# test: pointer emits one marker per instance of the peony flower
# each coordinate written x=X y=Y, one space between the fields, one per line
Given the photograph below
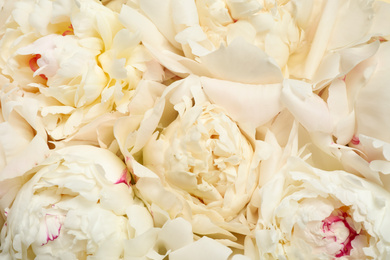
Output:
x=76 y=58
x=345 y=115
x=191 y=159
x=204 y=154
x=365 y=83
x=257 y=42
x=75 y=205
x=305 y=212
x=20 y=134
x=22 y=144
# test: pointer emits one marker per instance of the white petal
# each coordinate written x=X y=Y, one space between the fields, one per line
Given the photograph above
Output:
x=242 y=62
x=247 y=104
x=204 y=248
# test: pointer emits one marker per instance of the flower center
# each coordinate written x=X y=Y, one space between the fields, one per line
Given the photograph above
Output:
x=33 y=62
x=337 y=228
x=68 y=32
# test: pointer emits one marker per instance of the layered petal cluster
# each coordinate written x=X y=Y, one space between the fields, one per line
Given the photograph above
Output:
x=253 y=41
x=194 y=129
x=307 y=213
x=76 y=204
x=75 y=57
x=201 y=164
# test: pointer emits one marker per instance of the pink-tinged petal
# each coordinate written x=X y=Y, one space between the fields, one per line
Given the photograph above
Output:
x=51 y=227
x=330 y=233
x=124 y=178
x=355 y=140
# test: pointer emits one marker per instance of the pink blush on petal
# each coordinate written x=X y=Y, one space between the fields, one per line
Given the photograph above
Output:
x=328 y=230
x=355 y=140
x=53 y=227
x=124 y=178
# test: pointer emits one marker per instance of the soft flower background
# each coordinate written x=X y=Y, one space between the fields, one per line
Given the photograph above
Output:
x=194 y=129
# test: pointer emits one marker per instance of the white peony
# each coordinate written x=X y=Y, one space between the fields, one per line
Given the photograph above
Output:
x=20 y=134
x=75 y=205
x=344 y=117
x=308 y=213
x=254 y=41
x=191 y=159
x=22 y=143
x=76 y=58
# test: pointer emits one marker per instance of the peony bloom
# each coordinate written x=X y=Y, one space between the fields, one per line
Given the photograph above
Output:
x=191 y=159
x=308 y=213
x=345 y=115
x=20 y=134
x=252 y=41
x=22 y=144
x=205 y=156
x=75 y=205
x=76 y=58
x=364 y=94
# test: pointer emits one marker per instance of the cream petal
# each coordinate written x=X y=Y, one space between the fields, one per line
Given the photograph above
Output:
x=321 y=38
x=308 y=108
x=191 y=34
x=372 y=101
x=242 y=62
x=180 y=65
x=40 y=18
x=117 y=198
x=140 y=219
x=380 y=18
x=138 y=247
x=261 y=102
x=31 y=155
x=339 y=108
x=110 y=163
x=156 y=193
x=184 y=12
x=241 y=9
x=204 y=248
x=339 y=63
x=150 y=34
x=241 y=29
x=352 y=24
x=157 y=12
x=176 y=234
